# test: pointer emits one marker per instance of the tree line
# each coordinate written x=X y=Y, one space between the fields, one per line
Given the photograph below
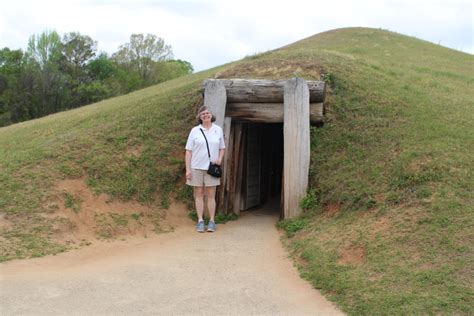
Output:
x=58 y=73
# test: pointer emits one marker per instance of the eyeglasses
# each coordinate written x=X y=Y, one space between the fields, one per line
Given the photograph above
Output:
x=205 y=113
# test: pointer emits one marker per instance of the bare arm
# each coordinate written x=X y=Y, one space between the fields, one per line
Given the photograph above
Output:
x=221 y=157
x=187 y=159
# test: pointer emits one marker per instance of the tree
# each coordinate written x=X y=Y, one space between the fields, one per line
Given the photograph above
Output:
x=171 y=69
x=101 y=67
x=44 y=56
x=45 y=49
x=11 y=69
x=117 y=79
x=55 y=74
x=142 y=53
x=78 y=49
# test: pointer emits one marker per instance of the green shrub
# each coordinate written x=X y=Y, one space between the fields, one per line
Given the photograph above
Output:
x=291 y=226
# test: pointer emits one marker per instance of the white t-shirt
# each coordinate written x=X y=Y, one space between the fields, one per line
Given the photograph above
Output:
x=197 y=145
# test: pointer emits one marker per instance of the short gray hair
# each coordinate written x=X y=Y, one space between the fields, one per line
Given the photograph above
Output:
x=202 y=109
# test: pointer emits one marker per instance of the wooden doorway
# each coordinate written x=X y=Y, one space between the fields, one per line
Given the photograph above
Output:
x=269 y=153
x=294 y=103
x=258 y=166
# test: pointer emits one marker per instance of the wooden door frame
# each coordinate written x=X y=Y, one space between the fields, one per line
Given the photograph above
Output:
x=297 y=95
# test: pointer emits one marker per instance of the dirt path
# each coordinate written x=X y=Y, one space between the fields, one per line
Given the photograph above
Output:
x=240 y=269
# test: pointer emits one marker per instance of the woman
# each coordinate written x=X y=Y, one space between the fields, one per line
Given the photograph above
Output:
x=197 y=163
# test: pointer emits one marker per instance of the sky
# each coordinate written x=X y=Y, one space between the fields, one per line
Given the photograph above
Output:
x=209 y=33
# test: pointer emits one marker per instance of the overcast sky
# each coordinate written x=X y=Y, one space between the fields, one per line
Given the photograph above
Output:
x=210 y=33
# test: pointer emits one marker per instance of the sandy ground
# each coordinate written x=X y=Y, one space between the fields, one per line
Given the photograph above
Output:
x=240 y=269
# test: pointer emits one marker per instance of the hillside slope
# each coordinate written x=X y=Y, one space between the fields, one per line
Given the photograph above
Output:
x=386 y=227
x=390 y=211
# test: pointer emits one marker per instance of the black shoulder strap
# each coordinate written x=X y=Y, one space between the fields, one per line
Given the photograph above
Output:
x=207 y=145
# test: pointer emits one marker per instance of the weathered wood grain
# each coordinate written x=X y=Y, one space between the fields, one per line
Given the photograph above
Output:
x=296 y=145
x=253 y=170
x=237 y=160
x=269 y=112
x=225 y=166
x=215 y=99
x=265 y=91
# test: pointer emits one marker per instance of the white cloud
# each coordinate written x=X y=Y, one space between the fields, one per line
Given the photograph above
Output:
x=209 y=33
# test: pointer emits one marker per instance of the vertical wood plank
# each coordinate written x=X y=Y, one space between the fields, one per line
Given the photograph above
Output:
x=238 y=200
x=236 y=180
x=222 y=191
x=230 y=154
x=237 y=135
x=296 y=145
x=252 y=167
x=215 y=98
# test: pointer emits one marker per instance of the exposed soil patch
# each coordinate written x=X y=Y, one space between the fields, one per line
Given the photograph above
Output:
x=417 y=166
x=4 y=223
x=353 y=255
x=382 y=224
x=332 y=209
x=135 y=151
x=380 y=198
x=81 y=215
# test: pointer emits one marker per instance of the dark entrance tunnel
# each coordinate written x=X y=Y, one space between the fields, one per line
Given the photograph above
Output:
x=262 y=166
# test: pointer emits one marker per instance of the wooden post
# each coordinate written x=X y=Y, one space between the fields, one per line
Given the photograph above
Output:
x=225 y=165
x=215 y=98
x=238 y=202
x=237 y=169
x=230 y=153
x=236 y=134
x=296 y=145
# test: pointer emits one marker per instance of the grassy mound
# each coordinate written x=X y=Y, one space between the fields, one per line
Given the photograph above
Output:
x=387 y=219
x=388 y=227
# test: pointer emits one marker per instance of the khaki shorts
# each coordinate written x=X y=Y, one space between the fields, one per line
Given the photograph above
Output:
x=200 y=178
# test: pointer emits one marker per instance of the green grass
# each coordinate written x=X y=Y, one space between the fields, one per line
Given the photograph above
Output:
x=293 y=225
x=391 y=172
x=395 y=161
x=72 y=202
x=109 y=225
x=127 y=147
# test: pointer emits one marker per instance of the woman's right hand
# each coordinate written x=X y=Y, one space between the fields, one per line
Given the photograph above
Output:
x=188 y=175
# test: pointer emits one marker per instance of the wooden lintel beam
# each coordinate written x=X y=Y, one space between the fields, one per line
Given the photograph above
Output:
x=269 y=112
x=265 y=91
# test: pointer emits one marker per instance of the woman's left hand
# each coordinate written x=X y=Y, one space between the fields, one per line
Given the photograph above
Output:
x=217 y=162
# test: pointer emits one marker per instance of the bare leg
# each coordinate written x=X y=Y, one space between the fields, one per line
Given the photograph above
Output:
x=211 y=201
x=199 y=199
